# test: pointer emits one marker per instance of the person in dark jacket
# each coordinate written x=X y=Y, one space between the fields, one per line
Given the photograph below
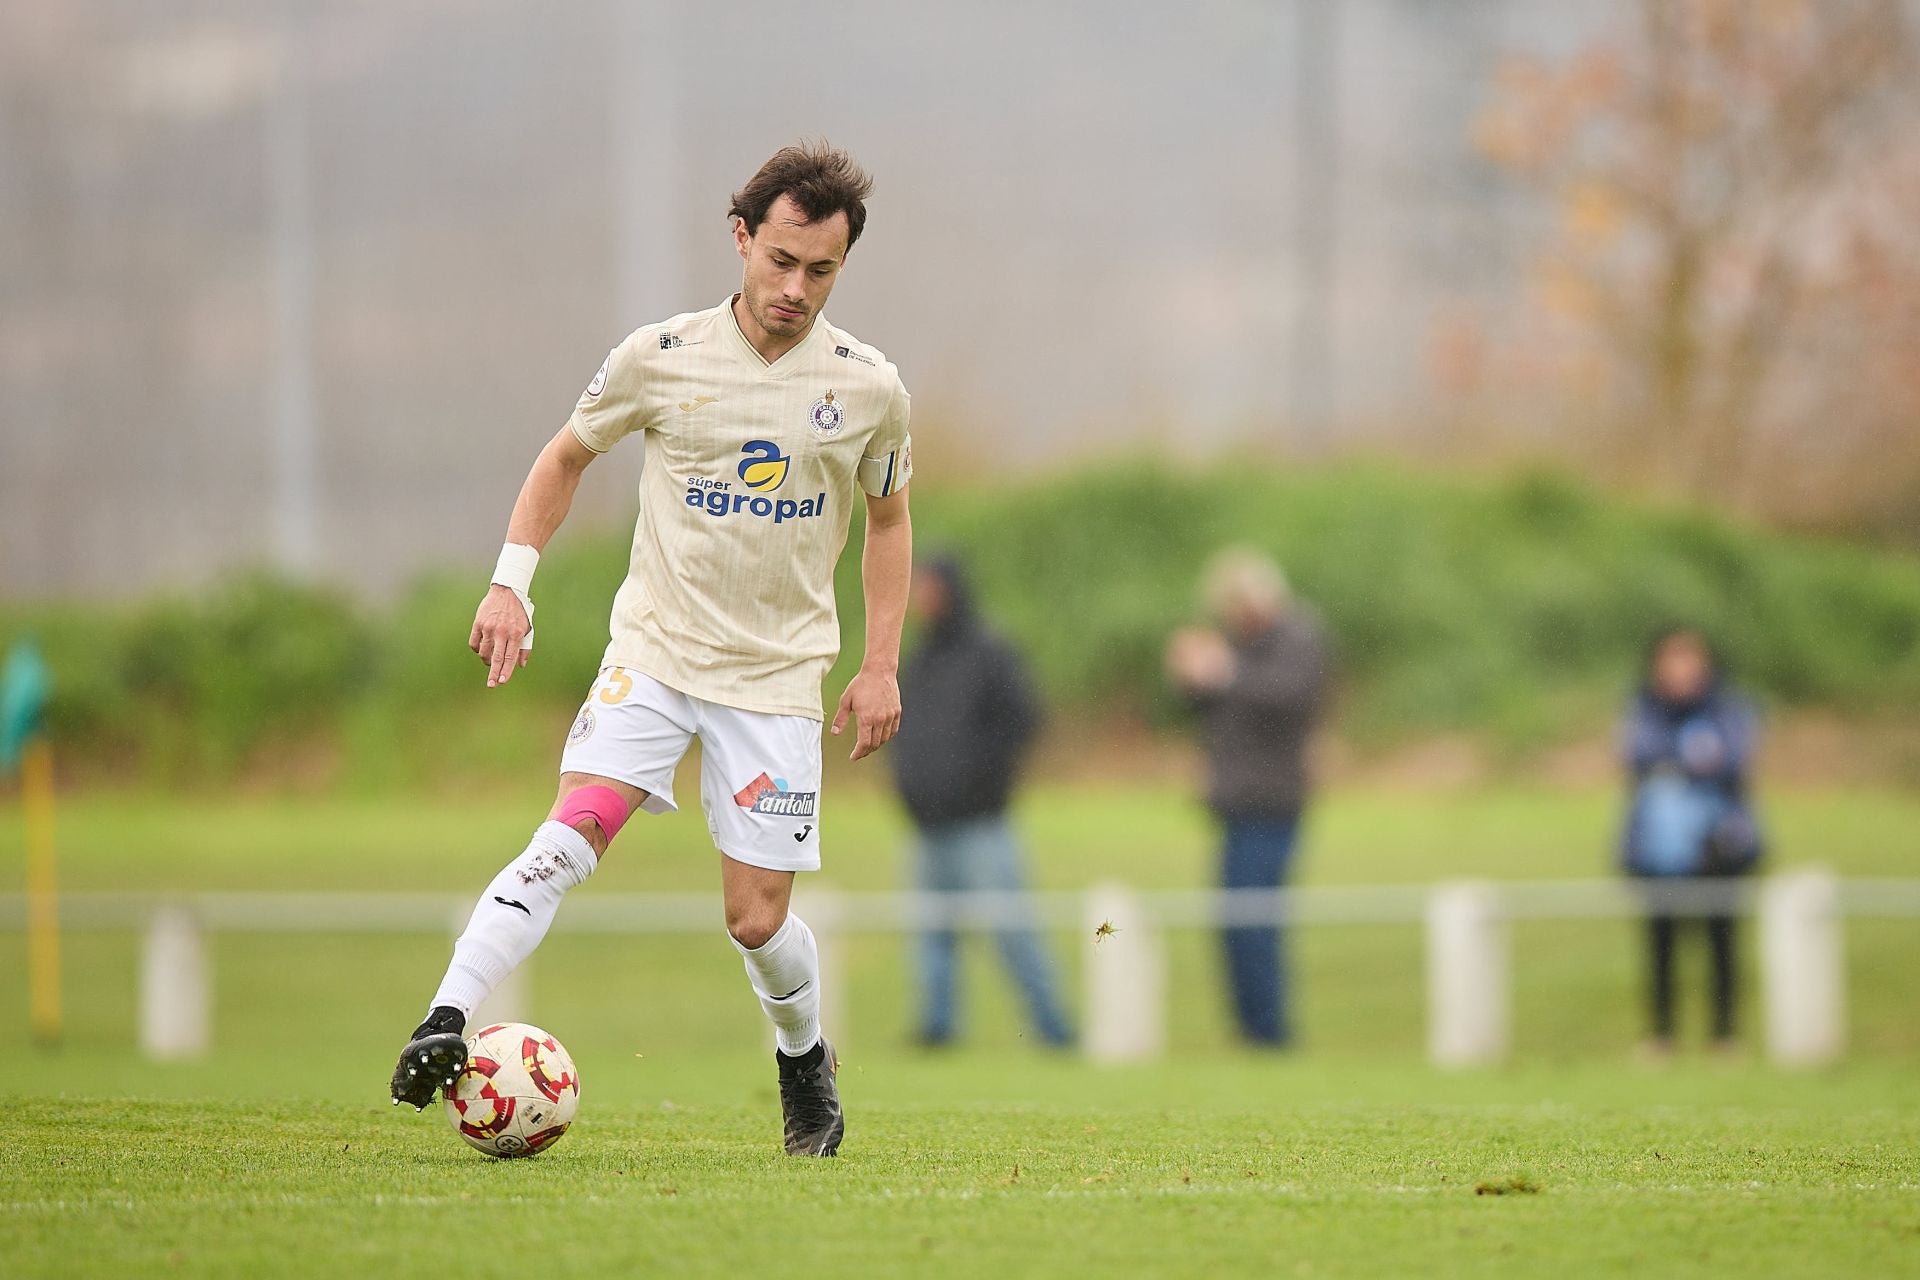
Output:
x=970 y=714
x=1689 y=741
x=1258 y=689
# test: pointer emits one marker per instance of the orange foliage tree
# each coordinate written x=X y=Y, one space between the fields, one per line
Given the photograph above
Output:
x=1732 y=268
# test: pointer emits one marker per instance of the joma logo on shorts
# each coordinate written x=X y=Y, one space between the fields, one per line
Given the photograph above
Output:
x=770 y=795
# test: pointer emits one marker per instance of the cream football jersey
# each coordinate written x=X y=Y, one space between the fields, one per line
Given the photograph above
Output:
x=751 y=473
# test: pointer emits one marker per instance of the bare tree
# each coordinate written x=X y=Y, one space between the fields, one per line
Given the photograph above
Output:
x=1729 y=183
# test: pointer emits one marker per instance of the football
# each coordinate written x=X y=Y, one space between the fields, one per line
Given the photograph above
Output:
x=518 y=1094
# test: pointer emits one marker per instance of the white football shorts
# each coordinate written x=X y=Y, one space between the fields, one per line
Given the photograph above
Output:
x=759 y=773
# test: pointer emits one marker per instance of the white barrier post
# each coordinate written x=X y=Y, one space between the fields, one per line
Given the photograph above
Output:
x=176 y=988
x=821 y=907
x=1468 y=1000
x=1126 y=978
x=1803 y=968
x=511 y=1001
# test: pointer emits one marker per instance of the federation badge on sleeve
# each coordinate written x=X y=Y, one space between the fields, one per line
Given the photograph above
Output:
x=599 y=382
x=827 y=417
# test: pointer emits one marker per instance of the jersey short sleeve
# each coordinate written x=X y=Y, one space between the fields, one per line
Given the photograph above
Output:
x=887 y=464
x=610 y=408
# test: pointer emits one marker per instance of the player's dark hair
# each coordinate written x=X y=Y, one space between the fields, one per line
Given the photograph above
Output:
x=821 y=179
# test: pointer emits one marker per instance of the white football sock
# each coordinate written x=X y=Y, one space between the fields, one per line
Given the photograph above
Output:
x=786 y=976
x=514 y=914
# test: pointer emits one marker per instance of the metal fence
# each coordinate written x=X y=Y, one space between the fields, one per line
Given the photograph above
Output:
x=354 y=262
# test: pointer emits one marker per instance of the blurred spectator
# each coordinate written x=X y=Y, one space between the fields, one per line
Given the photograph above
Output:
x=969 y=716
x=1258 y=688
x=1689 y=740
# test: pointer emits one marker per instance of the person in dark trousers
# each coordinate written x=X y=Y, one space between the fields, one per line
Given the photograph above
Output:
x=1258 y=684
x=969 y=716
x=1689 y=742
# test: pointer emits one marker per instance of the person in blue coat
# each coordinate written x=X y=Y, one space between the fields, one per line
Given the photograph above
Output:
x=1689 y=743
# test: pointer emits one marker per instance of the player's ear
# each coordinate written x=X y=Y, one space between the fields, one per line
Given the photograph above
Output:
x=742 y=238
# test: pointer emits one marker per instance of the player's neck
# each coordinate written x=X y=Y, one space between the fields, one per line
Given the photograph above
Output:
x=769 y=347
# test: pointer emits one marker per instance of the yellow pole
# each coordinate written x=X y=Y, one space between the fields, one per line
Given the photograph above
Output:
x=43 y=899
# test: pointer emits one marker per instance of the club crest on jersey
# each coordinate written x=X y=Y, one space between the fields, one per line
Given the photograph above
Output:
x=827 y=416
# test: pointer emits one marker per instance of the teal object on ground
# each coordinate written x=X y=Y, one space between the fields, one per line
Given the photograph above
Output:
x=24 y=687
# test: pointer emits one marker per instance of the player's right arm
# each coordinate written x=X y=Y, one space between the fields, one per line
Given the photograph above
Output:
x=501 y=624
x=612 y=406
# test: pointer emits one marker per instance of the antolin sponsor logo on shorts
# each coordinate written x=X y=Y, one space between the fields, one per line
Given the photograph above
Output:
x=770 y=795
x=762 y=470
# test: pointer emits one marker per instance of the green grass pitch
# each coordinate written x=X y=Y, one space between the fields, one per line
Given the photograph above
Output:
x=279 y=1156
x=990 y=1164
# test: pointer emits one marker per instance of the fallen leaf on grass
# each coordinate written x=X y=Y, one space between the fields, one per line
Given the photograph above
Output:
x=1518 y=1185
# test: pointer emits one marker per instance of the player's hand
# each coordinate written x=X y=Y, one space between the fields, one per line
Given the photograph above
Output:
x=873 y=700
x=498 y=628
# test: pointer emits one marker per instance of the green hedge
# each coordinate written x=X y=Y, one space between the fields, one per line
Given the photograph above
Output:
x=1454 y=605
x=1513 y=609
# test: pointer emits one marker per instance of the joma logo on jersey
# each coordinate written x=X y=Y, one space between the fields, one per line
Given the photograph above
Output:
x=763 y=468
x=770 y=795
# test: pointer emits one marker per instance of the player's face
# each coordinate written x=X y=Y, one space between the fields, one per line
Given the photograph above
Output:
x=791 y=266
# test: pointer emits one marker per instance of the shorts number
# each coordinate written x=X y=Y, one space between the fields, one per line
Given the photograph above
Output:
x=619 y=685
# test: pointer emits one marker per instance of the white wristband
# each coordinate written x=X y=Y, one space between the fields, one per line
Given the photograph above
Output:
x=515 y=567
x=514 y=571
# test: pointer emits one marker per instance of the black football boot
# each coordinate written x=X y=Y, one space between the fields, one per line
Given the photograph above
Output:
x=810 y=1101
x=432 y=1060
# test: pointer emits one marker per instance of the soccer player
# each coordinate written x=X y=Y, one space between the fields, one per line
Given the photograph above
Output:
x=759 y=419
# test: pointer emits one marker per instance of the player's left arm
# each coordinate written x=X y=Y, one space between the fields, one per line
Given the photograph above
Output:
x=886 y=569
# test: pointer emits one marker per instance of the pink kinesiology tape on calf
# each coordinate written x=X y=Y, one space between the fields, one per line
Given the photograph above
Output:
x=602 y=804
